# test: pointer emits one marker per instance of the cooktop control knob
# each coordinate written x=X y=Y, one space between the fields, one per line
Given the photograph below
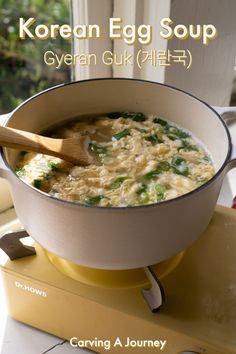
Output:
x=188 y=353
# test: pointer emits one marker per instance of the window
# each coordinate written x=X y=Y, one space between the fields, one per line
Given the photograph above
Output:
x=22 y=70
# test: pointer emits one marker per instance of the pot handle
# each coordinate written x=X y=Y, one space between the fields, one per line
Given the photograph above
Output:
x=3 y=168
x=5 y=196
x=11 y=245
x=228 y=114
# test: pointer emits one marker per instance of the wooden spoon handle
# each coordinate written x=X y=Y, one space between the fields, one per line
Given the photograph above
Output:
x=19 y=139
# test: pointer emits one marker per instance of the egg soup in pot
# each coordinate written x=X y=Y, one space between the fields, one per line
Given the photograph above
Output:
x=138 y=160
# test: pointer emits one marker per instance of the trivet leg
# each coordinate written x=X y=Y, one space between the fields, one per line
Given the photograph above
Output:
x=154 y=296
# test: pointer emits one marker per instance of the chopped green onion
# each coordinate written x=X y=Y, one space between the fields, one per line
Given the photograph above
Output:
x=178 y=132
x=172 y=137
x=160 y=189
x=152 y=174
x=179 y=166
x=154 y=139
x=121 y=134
x=177 y=161
x=20 y=171
x=114 y=115
x=182 y=134
x=174 y=133
x=94 y=200
x=205 y=160
x=37 y=183
x=136 y=116
x=200 y=181
x=118 y=182
x=188 y=147
x=142 y=194
x=141 y=130
x=142 y=189
x=98 y=149
x=54 y=166
x=161 y=167
x=160 y=121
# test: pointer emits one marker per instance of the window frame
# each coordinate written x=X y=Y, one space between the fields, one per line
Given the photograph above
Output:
x=142 y=12
x=211 y=61
x=131 y=12
x=92 y=12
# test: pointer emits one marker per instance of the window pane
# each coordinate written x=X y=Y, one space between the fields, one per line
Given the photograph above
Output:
x=22 y=69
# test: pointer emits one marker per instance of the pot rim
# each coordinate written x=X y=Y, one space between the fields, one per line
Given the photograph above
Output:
x=135 y=207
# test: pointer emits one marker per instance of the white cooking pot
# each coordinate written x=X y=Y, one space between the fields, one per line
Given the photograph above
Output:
x=127 y=237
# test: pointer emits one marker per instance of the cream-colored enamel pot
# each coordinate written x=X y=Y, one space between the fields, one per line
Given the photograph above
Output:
x=128 y=237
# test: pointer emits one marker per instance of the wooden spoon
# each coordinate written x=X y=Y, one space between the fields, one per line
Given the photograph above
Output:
x=74 y=150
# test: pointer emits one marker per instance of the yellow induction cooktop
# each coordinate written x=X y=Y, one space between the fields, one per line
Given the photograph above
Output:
x=198 y=316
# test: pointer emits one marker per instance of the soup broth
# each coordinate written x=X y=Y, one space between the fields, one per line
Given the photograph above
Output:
x=138 y=160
